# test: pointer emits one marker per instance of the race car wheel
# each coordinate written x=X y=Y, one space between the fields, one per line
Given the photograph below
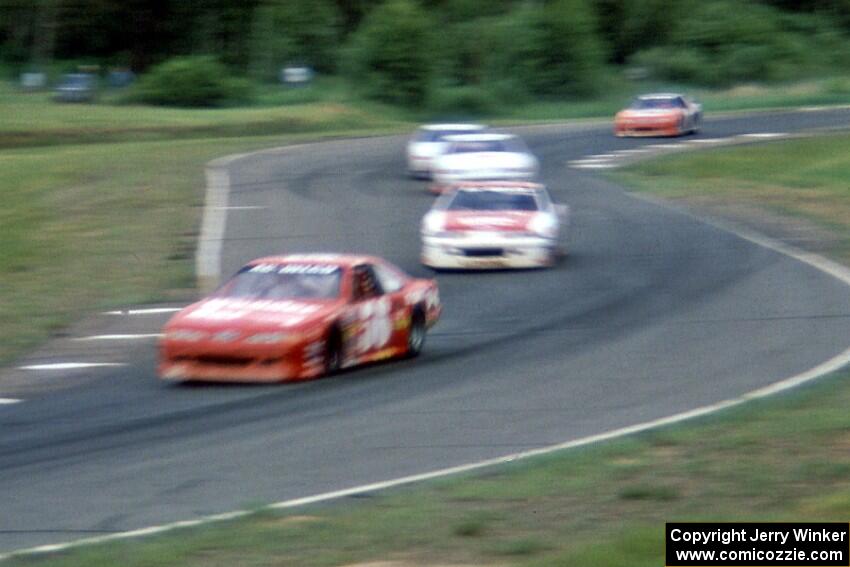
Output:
x=416 y=333
x=333 y=352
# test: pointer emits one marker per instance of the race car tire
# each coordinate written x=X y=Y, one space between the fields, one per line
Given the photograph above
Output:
x=416 y=333
x=333 y=352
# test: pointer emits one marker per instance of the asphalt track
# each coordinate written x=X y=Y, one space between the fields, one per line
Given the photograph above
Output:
x=652 y=313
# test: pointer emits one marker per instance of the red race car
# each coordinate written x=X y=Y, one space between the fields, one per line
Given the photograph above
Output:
x=659 y=115
x=296 y=317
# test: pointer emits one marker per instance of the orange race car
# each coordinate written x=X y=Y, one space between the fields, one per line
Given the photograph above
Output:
x=659 y=115
x=297 y=317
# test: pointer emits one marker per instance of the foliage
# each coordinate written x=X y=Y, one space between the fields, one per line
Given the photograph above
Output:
x=462 y=102
x=515 y=49
x=191 y=81
x=390 y=55
x=294 y=31
x=628 y=26
x=552 y=49
x=723 y=42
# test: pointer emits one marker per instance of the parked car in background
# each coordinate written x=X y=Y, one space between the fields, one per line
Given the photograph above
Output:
x=76 y=87
x=429 y=141
x=662 y=114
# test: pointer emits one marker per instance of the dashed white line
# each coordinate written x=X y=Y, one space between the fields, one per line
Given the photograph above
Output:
x=763 y=135
x=667 y=146
x=8 y=401
x=592 y=165
x=240 y=208
x=595 y=158
x=709 y=141
x=69 y=365
x=633 y=151
x=119 y=337
x=148 y=311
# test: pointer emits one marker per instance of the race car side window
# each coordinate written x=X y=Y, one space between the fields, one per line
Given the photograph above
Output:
x=390 y=281
x=366 y=285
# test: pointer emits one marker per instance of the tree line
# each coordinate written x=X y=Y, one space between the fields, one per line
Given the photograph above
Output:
x=406 y=50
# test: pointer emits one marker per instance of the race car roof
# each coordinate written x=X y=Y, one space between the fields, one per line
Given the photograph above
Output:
x=483 y=137
x=449 y=126
x=659 y=95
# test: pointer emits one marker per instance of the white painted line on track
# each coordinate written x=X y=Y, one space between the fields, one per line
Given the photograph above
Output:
x=592 y=165
x=208 y=259
x=764 y=135
x=667 y=146
x=119 y=337
x=241 y=208
x=709 y=141
x=633 y=151
x=148 y=311
x=70 y=365
x=841 y=360
x=8 y=401
x=594 y=159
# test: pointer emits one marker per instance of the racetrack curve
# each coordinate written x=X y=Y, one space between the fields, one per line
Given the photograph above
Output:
x=652 y=313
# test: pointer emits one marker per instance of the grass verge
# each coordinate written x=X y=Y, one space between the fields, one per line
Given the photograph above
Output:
x=86 y=227
x=786 y=458
x=799 y=183
x=33 y=120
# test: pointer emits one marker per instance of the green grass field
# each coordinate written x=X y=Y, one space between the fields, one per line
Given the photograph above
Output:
x=86 y=227
x=32 y=119
x=786 y=458
x=803 y=180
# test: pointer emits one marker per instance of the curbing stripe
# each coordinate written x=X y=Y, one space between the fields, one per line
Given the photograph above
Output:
x=69 y=365
x=208 y=259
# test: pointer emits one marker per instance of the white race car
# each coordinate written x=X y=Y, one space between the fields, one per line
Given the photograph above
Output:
x=490 y=225
x=480 y=157
x=429 y=141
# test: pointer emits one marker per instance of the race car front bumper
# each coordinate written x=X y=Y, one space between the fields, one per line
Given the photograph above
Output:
x=419 y=166
x=235 y=363
x=488 y=252
x=635 y=130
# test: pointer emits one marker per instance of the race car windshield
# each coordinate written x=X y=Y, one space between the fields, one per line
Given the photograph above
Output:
x=474 y=147
x=276 y=282
x=492 y=201
x=437 y=135
x=654 y=103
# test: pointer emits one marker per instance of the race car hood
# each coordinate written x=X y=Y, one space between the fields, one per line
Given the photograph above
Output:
x=245 y=314
x=484 y=160
x=496 y=221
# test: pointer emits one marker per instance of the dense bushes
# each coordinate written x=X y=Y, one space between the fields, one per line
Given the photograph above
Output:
x=294 y=31
x=450 y=56
x=723 y=42
x=190 y=81
x=391 y=57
